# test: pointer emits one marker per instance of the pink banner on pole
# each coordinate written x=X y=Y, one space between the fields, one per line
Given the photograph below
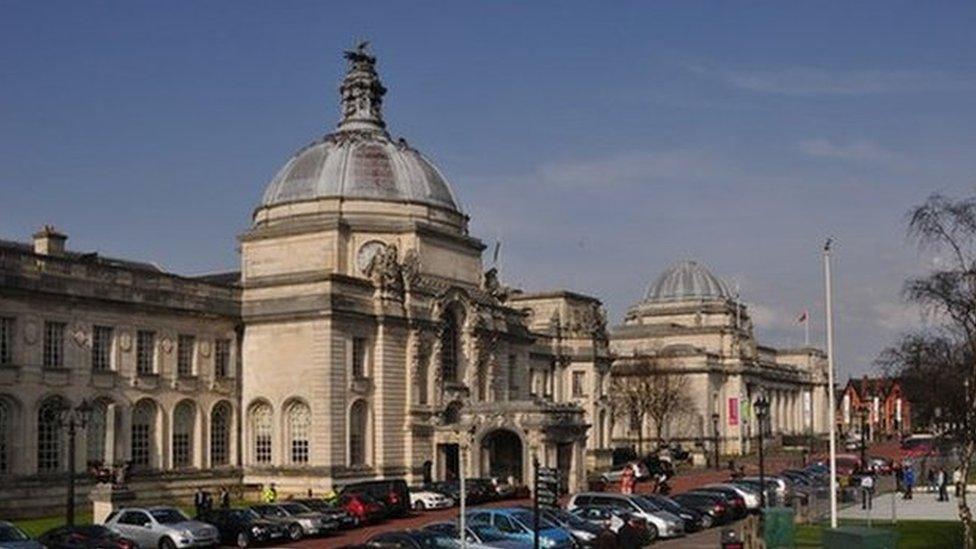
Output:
x=733 y=411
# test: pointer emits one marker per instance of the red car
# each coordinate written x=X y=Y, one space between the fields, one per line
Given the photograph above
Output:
x=362 y=508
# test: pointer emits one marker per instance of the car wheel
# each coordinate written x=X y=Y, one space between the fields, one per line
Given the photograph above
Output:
x=419 y=506
x=295 y=532
x=652 y=532
x=166 y=543
x=243 y=540
x=706 y=522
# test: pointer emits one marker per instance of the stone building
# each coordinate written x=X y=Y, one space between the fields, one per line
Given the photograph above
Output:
x=375 y=343
x=689 y=325
x=156 y=354
x=362 y=338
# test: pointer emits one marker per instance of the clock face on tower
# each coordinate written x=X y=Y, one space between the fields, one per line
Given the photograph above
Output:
x=366 y=254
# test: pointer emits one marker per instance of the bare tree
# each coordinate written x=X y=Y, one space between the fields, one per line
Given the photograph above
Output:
x=650 y=386
x=941 y=358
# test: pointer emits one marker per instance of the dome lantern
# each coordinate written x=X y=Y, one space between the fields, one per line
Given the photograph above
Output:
x=361 y=92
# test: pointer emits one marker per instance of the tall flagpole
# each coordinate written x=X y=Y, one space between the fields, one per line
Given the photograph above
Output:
x=806 y=330
x=830 y=385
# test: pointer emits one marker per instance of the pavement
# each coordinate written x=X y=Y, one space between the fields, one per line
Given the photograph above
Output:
x=922 y=506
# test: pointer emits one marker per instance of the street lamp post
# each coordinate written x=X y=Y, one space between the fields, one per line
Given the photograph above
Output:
x=73 y=419
x=715 y=418
x=762 y=408
x=863 y=414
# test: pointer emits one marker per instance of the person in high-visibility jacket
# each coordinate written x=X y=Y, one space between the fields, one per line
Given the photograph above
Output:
x=269 y=494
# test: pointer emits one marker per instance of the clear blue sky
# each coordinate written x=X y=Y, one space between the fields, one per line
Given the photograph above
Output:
x=599 y=141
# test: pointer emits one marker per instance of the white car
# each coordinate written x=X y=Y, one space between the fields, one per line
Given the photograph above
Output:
x=662 y=523
x=750 y=497
x=423 y=500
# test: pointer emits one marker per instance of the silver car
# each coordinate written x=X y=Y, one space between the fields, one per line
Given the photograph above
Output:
x=162 y=527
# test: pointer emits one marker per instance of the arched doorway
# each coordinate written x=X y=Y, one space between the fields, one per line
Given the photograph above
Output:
x=501 y=452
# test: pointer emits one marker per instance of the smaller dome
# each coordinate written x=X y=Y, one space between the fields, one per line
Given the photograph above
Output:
x=686 y=281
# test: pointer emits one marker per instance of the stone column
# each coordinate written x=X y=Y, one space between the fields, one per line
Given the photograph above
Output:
x=108 y=453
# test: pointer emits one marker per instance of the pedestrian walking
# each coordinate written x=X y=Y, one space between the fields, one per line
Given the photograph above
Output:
x=627 y=480
x=957 y=481
x=199 y=501
x=867 y=490
x=943 y=482
x=224 y=498
x=269 y=494
x=909 y=474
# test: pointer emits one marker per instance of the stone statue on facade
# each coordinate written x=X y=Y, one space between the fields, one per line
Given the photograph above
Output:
x=494 y=287
x=386 y=273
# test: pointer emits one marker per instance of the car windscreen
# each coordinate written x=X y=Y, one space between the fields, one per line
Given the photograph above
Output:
x=295 y=508
x=12 y=533
x=646 y=505
x=527 y=519
x=168 y=516
x=569 y=519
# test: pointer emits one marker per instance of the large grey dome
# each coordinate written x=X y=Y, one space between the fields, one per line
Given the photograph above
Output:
x=360 y=165
x=685 y=281
x=360 y=160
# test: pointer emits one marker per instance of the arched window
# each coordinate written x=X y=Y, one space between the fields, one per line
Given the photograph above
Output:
x=449 y=348
x=5 y=436
x=220 y=434
x=358 y=433
x=184 y=417
x=262 y=432
x=49 y=435
x=95 y=432
x=143 y=433
x=298 y=418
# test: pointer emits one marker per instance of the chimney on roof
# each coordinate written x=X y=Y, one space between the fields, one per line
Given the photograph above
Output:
x=48 y=241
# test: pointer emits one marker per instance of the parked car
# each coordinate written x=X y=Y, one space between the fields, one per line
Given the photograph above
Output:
x=770 y=488
x=880 y=465
x=483 y=486
x=518 y=523
x=749 y=495
x=12 y=537
x=783 y=487
x=474 y=494
x=362 y=508
x=162 y=527
x=662 y=523
x=89 y=536
x=423 y=500
x=394 y=494
x=694 y=519
x=734 y=502
x=484 y=534
x=616 y=519
x=300 y=521
x=329 y=509
x=585 y=533
x=243 y=527
x=412 y=539
x=712 y=505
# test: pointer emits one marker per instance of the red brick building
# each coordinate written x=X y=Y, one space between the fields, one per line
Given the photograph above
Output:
x=887 y=411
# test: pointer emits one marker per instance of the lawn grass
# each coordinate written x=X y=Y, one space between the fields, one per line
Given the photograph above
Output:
x=912 y=534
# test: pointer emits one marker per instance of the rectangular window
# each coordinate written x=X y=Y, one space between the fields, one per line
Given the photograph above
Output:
x=6 y=340
x=141 y=433
x=578 y=384
x=181 y=449
x=145 y=353
x=54 y=344
x=222 y=358
x=101 y=353
x=299 y=451
x=358 y=357
x=184 y=355
x=513 y=386
x=262 y=448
